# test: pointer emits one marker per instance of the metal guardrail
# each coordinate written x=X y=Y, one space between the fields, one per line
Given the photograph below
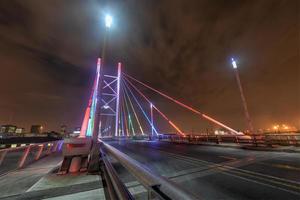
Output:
x=156 y=185
x=20 y=155
x=116 y=188
x=267 y=139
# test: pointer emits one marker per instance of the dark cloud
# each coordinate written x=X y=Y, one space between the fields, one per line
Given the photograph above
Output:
x=48 y=51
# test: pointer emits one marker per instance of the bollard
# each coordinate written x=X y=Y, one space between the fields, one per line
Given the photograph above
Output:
x=54 y=149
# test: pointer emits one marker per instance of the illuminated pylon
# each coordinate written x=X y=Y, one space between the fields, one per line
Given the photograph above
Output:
x=110 y=100
x=89 y=116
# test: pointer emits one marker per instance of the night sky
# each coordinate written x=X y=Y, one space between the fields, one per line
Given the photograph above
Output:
x=48 y=52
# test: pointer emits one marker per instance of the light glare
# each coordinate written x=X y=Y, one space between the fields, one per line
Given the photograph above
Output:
x=233 y=63
x=108 y=21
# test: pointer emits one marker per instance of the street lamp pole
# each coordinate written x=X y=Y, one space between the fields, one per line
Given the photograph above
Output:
x=151 y=113
x=100 y=65
x=94 y=159
x=248 y=119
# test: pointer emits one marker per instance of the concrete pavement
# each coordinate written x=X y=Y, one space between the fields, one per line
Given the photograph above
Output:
x=39 y=181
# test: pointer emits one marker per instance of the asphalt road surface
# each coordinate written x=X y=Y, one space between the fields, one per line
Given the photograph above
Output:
x=217 y=172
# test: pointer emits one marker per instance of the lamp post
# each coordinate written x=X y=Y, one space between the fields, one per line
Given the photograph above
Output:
x=248 y=119
x=151 y=113
x=97 y=122
x=94 y=154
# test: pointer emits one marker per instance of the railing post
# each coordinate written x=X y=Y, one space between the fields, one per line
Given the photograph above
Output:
x=60 y=145
x=237 y=139
x=24 y=157
x=217 y=140
x=149 y=194
x=38 y=155
x=49 y=148
x=2 y=156
x=55 y=147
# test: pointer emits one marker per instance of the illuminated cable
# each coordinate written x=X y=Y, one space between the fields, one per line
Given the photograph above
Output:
x=184 y=105
x=125 y=120
x=160 y=112
x=134 y=112
x=126 y=108
x=129 y=117
x=140 y=107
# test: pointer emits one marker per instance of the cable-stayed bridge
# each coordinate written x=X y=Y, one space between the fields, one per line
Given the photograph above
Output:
x=117 y=100
x=123 y=153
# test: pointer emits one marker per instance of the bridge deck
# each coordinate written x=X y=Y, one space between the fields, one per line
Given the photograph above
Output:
x=217 y=172
x=207 y=171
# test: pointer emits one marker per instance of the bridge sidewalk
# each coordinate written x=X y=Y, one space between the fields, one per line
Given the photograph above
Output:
x=18 y=181
x=39 y=181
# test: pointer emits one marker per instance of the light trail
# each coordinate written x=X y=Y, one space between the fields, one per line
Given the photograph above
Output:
x=184 y=105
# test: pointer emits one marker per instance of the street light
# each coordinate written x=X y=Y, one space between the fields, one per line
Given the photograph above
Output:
x=97 y=121
x=108 y=21
x=233 y=63
x=248 y=119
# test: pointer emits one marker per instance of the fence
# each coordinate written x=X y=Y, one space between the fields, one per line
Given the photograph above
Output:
x=18 y=157
x=267 y=139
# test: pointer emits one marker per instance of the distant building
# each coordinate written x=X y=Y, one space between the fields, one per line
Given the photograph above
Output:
x=63 y=129
x=54 y=134
x=76 y=132
x=20 y=130
x=36 y=129
x=8 y=129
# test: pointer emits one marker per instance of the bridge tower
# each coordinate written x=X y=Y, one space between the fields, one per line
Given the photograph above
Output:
x=82 y=153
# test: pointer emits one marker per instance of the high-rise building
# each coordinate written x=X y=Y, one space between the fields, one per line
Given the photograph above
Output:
x=36 y=129
x=20 y=130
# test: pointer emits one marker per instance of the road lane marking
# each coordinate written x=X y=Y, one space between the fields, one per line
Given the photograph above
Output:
x=228 y=157
x=221 y=168
x=289 y=167
x=223 y=165
x=261 y=183
x=225 y=168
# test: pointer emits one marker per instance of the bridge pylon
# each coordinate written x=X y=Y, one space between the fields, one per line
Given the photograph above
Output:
x=102 y=115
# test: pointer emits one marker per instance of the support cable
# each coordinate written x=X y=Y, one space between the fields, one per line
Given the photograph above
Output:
x=160 y=112
x=128 y=112
x=134 y=112
x=124 y=114
x=183 y=105
x=139 y=105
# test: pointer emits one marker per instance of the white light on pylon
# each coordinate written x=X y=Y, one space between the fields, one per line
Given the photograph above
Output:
x=233 y=63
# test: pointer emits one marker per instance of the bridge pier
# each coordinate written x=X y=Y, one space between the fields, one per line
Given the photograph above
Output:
x=76 y=152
